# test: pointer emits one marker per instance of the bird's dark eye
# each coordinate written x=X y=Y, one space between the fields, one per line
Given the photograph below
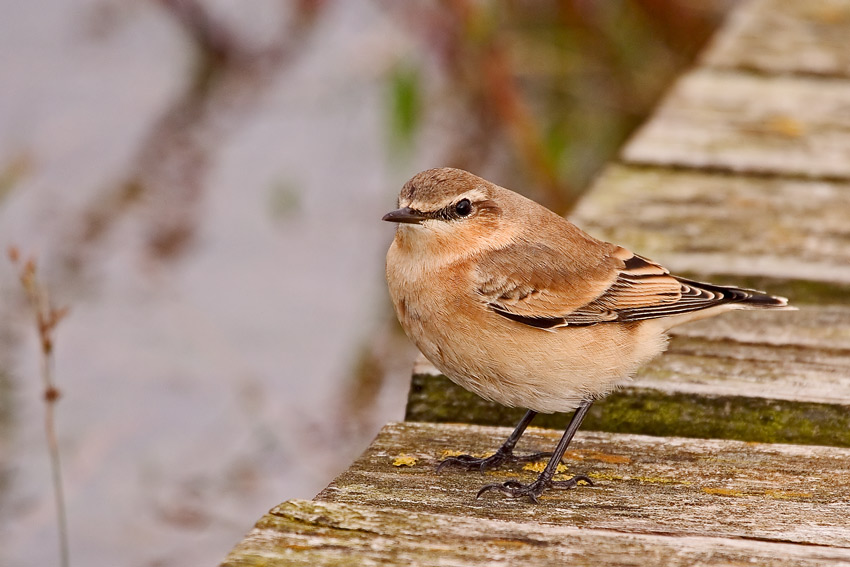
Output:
x=463 y=208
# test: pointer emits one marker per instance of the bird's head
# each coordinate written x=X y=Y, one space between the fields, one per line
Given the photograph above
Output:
x=449 y=213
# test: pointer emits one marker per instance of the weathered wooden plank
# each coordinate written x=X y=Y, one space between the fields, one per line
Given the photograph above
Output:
x=785 y=36
x=651 y=411
x=321 y=533
x=672 y=486
x=802 y=357
x=775 y=125
x=723 y=224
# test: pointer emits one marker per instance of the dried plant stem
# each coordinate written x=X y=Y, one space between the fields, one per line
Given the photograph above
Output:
x=51 y=396
x=47 y=318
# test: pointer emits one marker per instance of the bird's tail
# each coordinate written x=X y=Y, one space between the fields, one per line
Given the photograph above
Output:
x=743 y=298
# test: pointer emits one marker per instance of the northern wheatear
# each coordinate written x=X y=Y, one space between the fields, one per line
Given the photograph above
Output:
x=520 y=306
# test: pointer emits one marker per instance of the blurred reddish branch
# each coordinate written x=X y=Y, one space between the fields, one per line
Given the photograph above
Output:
x=540 y=96
x=47 y=318
x=172 y=163
x=500 y=95
x=513 y=112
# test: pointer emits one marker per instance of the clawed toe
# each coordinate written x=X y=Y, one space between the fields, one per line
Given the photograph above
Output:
x=532 y=458
x=468 y=462
x=515 y=489
x=458 y=461
x=570 y=483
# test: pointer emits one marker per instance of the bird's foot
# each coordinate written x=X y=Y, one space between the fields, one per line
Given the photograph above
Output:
x=497 y=459
x=516 y=489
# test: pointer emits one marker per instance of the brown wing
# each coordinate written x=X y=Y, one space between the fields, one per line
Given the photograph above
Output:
x=620 y=287
x=540 y=281
x=642 y=290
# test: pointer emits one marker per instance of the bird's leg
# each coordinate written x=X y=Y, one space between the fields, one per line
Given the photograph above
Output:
x=516 y=489
x=505 y=454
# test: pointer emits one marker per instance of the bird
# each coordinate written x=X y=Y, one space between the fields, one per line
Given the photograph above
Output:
x=520 y=306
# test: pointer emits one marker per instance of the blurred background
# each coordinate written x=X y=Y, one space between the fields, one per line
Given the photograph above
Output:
x=202 y=182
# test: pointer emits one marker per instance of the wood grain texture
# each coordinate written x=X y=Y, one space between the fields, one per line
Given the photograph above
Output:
x=770 y=125
x=321 y=533
x=673 y=486
x=785 y=36
x=656 y=501
x=803 y=357
x=709 y=223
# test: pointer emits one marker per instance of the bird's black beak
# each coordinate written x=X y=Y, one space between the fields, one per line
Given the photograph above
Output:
x=406 y=215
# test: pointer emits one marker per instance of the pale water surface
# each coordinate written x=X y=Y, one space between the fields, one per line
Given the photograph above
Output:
x=199 y=391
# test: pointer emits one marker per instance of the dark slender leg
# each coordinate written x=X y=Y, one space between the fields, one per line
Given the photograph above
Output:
x=516 y=489
x=504 y=455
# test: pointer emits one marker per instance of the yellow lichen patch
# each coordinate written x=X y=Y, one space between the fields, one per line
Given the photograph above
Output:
x=659 y=480
x=786 y=494
x=539 y=466
x=604 y=476
x=722 y=491
x=501 y=473
x=449 y=453
x=610 y=459
x=507 y=542
x=404 y=461
x=785 y=126
x=828 y=14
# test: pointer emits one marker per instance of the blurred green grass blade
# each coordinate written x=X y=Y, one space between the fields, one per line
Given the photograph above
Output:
x=405 y=104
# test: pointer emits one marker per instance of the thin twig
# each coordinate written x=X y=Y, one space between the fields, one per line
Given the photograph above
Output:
x=47 y=318
x=169 y=172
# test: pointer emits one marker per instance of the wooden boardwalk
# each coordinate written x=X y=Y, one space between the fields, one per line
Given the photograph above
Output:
x=742 y=176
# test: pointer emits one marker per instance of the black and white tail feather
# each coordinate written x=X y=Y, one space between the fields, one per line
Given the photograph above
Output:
x=696 y=296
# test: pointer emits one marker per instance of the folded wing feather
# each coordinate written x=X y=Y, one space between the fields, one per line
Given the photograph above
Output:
x=622 y=287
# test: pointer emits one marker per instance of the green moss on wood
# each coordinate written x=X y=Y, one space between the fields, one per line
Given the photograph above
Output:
x=303 y=527
x=650 y=412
